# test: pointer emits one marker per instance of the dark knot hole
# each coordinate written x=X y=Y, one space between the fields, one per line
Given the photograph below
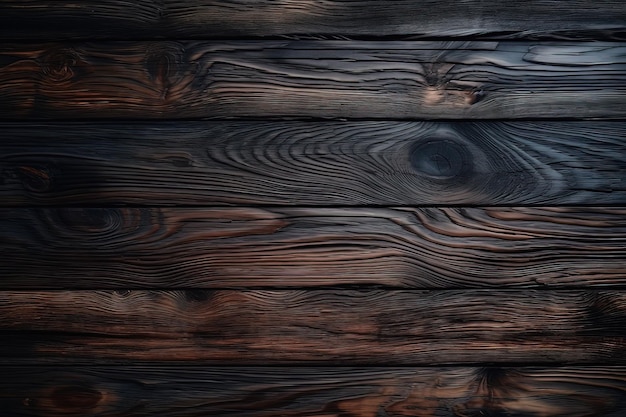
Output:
x=439 y=158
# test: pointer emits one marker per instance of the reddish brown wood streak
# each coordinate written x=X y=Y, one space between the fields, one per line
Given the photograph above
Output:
x=314 y=326
x=308 y=204
x=300 y=247
x=403 y=80
x=189 y=391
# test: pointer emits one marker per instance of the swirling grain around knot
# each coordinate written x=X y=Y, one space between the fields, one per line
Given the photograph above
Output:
x=313 y=164
x=58 y=65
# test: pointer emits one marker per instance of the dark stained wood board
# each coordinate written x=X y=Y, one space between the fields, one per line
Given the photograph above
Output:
x=192 y=391
x=331 y=327
x=466 y=267
x=93 y=248
x=37 y=19
x=313 y=163
x=313 y=79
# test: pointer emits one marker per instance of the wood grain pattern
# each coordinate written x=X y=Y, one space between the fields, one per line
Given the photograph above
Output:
x=191 y=391
x=314 y=326
x=319 y=79
x=302 y=247
x=190 y=225
x=36 y=19
x=313 y=163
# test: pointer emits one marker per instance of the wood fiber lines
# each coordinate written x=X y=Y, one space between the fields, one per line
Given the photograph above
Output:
x=313 y=163
x=304 y=391
x=257 y=208
x=305 y=247
x=313 y=79
x=314 y=326
x=182 y=19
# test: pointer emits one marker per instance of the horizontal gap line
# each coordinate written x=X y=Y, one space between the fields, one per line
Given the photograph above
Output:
x=118 y=121
x=348 y=287
x=314 y=365
x=615 y=35
x=274 y=206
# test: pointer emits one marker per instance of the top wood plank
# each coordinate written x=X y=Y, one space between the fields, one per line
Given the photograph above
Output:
x=313 y=79
x=144 y=19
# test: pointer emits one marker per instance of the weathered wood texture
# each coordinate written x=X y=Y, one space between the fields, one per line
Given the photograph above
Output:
x=323 y=79
x=193 y=391
x=314 y=326
x=37 y=19
x=313 y=163
x=96 y=248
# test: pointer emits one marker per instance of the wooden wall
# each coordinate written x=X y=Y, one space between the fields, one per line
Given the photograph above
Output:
x=313 y=208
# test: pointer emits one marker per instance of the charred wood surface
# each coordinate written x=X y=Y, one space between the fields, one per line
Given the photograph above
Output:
x=313 y=163
x=98 y=19
x=313 y=79
x=303 y=247
x=191 y=391
x=331 y=327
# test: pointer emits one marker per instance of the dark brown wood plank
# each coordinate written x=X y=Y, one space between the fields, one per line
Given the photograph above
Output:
x=93 y=248
x=321 y=79
x=313 y=163
x=191 y=391
x=36 y=19
x=315 y=326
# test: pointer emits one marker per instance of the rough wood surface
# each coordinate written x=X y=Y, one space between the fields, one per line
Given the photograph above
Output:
x=313 y=163
x=301 y=247
x=191 y=391
x=321 y=79
x=37 y=19
x=314 y=326
x=294 y=263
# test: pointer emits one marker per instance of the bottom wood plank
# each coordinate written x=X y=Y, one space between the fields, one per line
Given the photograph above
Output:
x=348 y=392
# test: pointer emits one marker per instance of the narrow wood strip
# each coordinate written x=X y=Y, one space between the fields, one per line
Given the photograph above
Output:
x=297 y=247
x=577 y=19
x=322 y=79
x=313 y=163
x=191 y=391
x=322 y=326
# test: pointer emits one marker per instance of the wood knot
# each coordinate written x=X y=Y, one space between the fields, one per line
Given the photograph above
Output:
x=475 y=96
x=440 y=158
x=36 y=179
x=75 y=398
x=163 y=61
x=90 y=219
x=606 y=315
x=58 y=65
x=200 y=296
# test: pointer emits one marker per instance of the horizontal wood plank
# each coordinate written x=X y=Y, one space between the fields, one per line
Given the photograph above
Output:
x=191 y=391
x=313 y=163
x=319 y=79
x=94 y=248
x=38 y=19
x=315 y=326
